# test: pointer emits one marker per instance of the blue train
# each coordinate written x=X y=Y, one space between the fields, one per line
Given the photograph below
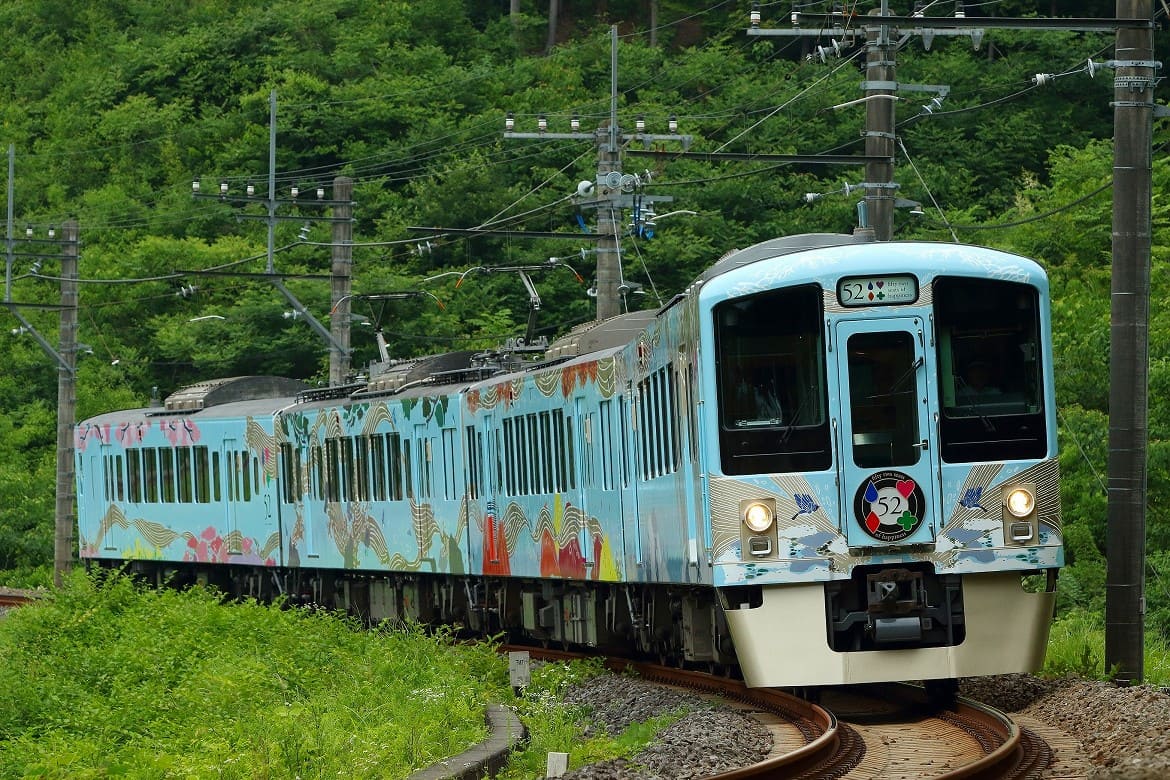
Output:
x=828 y=461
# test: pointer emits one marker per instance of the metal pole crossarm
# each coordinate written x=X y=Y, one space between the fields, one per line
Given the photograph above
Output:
x=937 y=23
x=54 y=241
x=437 y=232
x=390 y=296
x=292 y=218
x=308 y=201
x=556 y=136
x=14 y=305
x=62 y=363
x=313 y=323
x=649 y=138
x=246 y=275
x=792 y=159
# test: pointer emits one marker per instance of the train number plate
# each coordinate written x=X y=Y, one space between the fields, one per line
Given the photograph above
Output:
x=877 y=290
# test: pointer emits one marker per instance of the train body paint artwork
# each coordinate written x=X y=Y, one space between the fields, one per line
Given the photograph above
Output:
x=826 y=448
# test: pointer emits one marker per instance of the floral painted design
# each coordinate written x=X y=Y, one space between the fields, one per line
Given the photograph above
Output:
x=132 y=433
x=181 y=433
x=211 y=547
x=82 y=435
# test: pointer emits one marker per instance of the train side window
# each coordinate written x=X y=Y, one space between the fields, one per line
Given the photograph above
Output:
x=428 y=475
x=150 y=474
x=134 y=476
x=448 y=465
x=286 y=474
x=771 y=382
x=246 y=473
x=570 y=453
x=378 y=466
x=119 y=482
x=605 y=423
x=474 y=460
x=202 y=484
x=509 y=486
x=166 y=475
x=560 y=458
x=623 y=435
x=407 y=477
x=394 y=447
x=216 y=476
x=642 y=401
x=184 y=471
x=990 y=370
x=546 y=456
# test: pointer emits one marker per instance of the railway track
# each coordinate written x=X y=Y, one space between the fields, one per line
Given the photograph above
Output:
x=14 y=598
x=873 y=732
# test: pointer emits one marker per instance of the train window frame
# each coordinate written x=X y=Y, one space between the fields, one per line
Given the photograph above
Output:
x=448 y=444
x=216 y=474
x=150 y=474
x=996 y=323
x=788 y=358
x=166 y=475
x=134 y=476
x=397 y=481
x=202 y=475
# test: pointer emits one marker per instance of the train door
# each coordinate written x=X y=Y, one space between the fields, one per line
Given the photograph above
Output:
x=887 y=458
x=587 y=459
x=631 y=524
x=115 y=535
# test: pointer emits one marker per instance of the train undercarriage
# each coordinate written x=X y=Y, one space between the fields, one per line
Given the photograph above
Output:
x=673 y=624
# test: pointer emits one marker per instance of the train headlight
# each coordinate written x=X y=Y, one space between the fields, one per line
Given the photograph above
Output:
x=758 y=516
x=1020 y=501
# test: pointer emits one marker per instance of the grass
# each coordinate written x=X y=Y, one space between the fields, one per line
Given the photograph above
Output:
x=108 y=679
x=554 y=728
x=104 y=678
x=1076 y=646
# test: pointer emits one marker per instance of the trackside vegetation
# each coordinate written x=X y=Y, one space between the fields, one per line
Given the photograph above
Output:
x=106 y=678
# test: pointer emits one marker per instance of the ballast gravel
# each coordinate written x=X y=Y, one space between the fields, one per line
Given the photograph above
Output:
x=707 y=740
x=1124 y=732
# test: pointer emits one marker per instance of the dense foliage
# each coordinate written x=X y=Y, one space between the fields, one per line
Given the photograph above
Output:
x=114 y=108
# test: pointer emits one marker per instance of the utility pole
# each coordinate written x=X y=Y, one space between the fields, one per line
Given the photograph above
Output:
x=840 y=30
x=610 y=194
x=879 y=87
x=65 y=356
x=343 y=213
x=63 y=552
x=1133 y=86
x=339 y=324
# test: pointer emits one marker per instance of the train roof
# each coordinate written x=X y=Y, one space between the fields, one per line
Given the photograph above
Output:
x=776 y=247
x=236 y=397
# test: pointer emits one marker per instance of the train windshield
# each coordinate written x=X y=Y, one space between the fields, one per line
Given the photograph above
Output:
x=772 y=394
x=990 y=370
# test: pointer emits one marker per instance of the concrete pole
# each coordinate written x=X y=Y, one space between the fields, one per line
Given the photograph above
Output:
x=1125 y=532
x=609 y=270
x=880 y=86
x=63 y=552
x=342 y=272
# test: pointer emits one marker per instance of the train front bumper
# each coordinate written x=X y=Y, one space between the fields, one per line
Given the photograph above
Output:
x=783 y=642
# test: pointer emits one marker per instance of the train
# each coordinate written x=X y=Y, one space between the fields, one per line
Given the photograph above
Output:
x=829 y=460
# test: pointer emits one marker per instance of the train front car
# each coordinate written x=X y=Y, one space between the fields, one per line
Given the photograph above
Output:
x=883 y=485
